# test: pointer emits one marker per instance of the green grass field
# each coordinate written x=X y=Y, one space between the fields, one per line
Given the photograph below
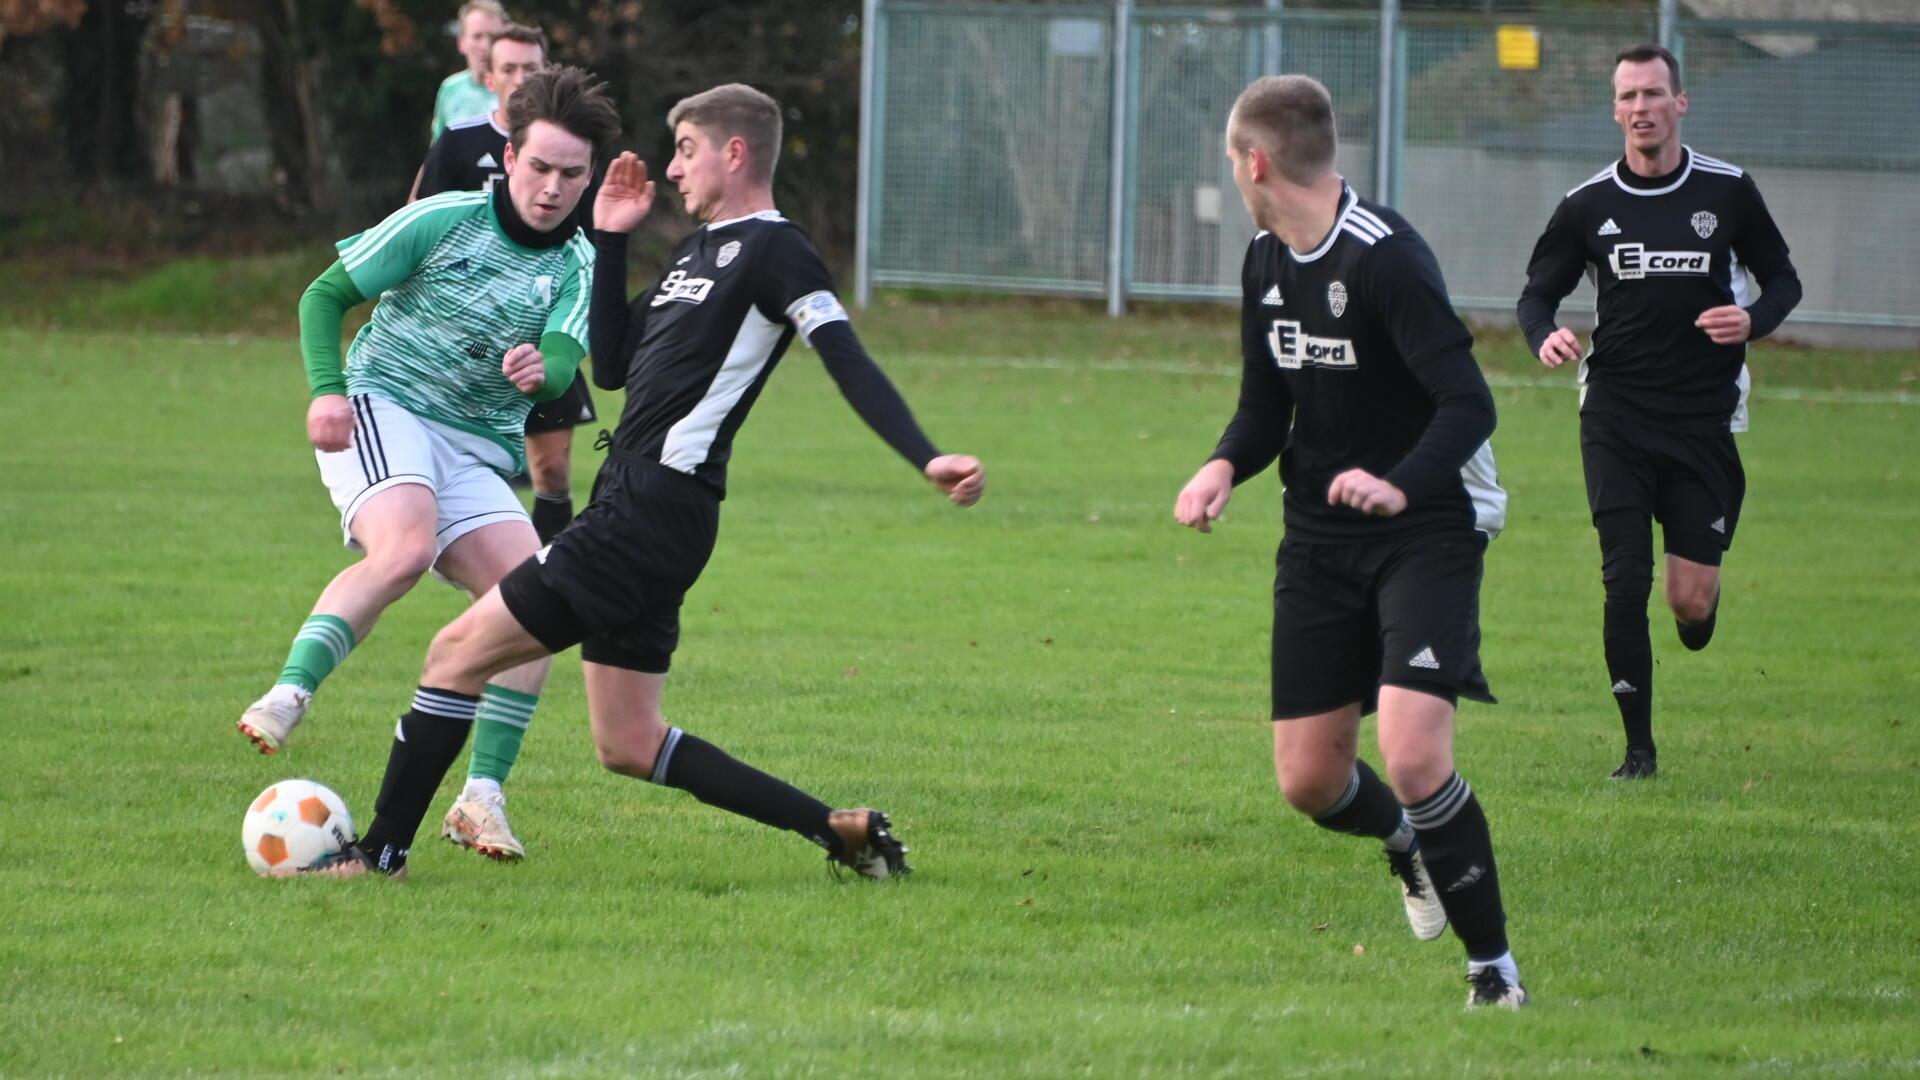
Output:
x=1058 y=695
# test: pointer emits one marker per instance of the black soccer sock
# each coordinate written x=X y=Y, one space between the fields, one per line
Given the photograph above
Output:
x=1459 y=855
x=1366 y=808
x=552 y=511
x=1626 y=567
x=425 y=745
x=711 y=775
x=1695 y=636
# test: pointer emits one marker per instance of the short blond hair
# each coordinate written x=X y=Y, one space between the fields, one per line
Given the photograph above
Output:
x=736 y=109
x=1290 y=118
x=491 y=7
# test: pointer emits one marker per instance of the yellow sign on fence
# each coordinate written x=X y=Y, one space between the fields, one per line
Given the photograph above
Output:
x=1519 y=48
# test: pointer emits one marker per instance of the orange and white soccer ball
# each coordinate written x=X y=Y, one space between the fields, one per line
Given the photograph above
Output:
x=293 y=825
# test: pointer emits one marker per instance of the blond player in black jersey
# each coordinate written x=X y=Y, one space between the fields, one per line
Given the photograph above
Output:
x=1673 y=241
x=693 y=353
x=1360 y=378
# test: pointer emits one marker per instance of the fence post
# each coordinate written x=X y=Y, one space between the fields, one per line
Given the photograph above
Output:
x=1271 y=39
x=1383 y=111
x=1117 y=167
x=1668 y=12
x=863 y=200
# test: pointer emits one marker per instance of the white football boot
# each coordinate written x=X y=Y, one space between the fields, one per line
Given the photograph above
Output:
x=269 y=721
x=1489 y=987
x=867 y=844
x=479 y=822
x=1424 y=913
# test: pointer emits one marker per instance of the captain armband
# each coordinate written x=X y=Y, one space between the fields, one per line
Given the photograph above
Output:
x=814 y=310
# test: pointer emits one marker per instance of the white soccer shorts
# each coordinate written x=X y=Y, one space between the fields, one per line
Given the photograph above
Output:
x=392 y=446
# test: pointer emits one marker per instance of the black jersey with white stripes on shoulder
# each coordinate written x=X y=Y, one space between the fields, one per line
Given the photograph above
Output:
x=1660 y=251
x=1353 y=357
x=695 y=350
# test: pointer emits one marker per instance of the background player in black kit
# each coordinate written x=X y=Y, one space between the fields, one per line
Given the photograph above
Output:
x=1668 y=237
x=693 y=352
x=467 y=157
x=1361 y=379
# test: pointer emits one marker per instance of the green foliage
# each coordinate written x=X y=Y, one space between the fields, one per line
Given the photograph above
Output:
x=1058 y=694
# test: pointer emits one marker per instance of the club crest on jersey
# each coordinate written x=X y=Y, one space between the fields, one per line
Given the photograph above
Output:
x=729 y=251
x=544 y=286
x=1337 y=299
x=678 y=288
x=1704 y=223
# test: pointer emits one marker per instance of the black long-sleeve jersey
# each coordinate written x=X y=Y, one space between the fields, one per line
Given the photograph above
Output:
x=694 y=351
x=1661 y=250
x=1353 y=357
x=471 y=155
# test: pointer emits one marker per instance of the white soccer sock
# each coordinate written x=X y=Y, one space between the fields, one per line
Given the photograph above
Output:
x=1508 y=969
x=480 y=787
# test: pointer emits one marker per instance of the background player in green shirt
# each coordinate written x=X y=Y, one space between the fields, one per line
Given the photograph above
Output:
x=483 y=311
x=464 y=93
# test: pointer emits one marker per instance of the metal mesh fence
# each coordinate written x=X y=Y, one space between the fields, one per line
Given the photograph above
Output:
x=1188 y=227
x=994 y=147
x=994 y=142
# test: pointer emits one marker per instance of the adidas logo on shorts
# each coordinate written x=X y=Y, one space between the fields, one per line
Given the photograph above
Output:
x=1425 y=659
x=1719 y=525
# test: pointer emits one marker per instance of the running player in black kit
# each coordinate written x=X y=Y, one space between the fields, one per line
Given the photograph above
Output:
x=693 y=353
x=1361 y=379
x=1669 y=237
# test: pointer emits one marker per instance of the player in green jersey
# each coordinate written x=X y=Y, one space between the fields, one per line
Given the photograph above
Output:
x=482 y=313
x=464 y=93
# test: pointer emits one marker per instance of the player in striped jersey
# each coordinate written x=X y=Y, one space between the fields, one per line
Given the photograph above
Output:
x=483 y=311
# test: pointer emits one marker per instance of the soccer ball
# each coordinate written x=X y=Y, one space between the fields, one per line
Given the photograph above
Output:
x=293 y=825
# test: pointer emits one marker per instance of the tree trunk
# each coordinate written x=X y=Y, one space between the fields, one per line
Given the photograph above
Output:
x=287 y=102
x=103 y=89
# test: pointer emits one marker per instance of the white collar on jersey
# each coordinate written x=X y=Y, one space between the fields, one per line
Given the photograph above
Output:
x=763 y=215
x=1348 y=199
x=1686 y=170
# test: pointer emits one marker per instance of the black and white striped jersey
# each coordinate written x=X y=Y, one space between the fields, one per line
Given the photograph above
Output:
x=1353 y=357
x=694 y=351
x=1661 y=250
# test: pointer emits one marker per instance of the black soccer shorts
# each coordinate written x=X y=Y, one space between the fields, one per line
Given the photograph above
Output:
x=571 y=409
x=1693 y=485
x=613 y=582
x=1351 y=618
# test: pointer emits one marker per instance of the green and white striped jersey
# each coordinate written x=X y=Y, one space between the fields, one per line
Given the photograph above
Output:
x=460 y=96
x=456 y=293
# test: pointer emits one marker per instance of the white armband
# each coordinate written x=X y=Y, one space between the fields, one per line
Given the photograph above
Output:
x=814 y=310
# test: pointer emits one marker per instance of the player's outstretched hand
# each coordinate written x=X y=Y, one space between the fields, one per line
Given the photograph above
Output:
x=626 y=195
x=1366 y=493
x=1727 y=325
x=1560 y=347
x=525 y=368
x=330 y=422
x=1205 y=497
x=961 y=476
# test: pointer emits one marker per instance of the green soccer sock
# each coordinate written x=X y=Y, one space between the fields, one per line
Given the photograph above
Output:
x=321 y=645
x=497 y=730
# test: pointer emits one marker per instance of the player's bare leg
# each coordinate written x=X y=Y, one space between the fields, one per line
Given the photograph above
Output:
x=550 y=466
x=1321 y=775
x=478 y=817
x=1416 y=739
x=633 y=738
x=396 y=529
x=1693 y=592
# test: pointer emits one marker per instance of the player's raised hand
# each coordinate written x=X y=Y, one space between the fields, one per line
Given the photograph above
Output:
x=626 y=195
x=960 y=476
x=1204 y=499
x=1727 y=325
x=330 y=422
x=1366 y=493
x=1560 y=347
x=525 y=368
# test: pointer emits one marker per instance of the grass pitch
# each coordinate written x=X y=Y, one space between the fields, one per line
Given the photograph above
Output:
x=1057 y=694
